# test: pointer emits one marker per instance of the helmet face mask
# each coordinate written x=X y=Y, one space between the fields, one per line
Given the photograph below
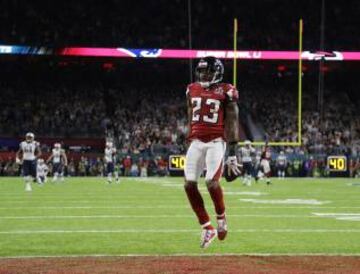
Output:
x=209 y=71
x=29 y=137
x=205 y=75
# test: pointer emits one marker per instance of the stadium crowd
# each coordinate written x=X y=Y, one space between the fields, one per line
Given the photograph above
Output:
x=128 y=24
x=78 y=114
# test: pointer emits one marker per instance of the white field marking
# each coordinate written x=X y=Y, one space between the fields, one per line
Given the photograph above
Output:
x=349 y=218
x=183 y=255
x=250 y=193
x=170 y=231
x=145 y=216
x=340 y=216
x=50 y=201
x=173 y=185
x=156 y=181
x=98 y=207
x=97 y=199
x=335 y=214
x=167 y=183
x=112 y=200
x=173 y=206
x=287 y=201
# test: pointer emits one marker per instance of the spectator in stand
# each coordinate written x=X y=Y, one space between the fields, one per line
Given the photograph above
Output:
x=82 y=166
x=309 y=167
x=134 y=171
x=162 y=166
x=127 y=163
x=71 y=170
x=143 y=167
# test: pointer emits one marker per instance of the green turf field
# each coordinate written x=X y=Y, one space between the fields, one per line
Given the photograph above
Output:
x=151 y=216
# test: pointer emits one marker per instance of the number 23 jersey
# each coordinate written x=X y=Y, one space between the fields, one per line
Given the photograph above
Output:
x=208 y=110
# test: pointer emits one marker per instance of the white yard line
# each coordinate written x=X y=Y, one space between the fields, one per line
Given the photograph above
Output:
x=169 y=231
x=168 y=206
x=146 y=216
x=340 y=216
x=95 y=207
x=336 y=214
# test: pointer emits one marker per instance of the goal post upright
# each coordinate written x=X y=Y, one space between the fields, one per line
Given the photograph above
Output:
x=299 y=108
x=235 y=53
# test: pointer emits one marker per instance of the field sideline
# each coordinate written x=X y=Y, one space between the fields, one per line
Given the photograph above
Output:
x=151 y=217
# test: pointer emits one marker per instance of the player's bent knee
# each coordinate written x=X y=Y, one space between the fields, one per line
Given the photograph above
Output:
x=190 y=184
x=211 y=183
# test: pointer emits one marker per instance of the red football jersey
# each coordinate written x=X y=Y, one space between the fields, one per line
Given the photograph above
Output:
x=208 y=104
x=266 y=154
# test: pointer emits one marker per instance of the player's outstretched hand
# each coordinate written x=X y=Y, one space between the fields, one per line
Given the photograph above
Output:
x=233 y=165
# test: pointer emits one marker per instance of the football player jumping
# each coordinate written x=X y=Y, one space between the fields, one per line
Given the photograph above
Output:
x=213 y=122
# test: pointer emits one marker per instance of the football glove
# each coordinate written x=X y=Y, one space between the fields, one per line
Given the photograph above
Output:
x=232 y=168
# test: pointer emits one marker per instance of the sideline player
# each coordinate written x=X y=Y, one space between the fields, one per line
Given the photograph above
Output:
x=212 y=114
x=41 y=172
x=109 y=158
x=29 y=151
x=265 y=171
x=281 y=163
x=59 y=161
x=247 y=152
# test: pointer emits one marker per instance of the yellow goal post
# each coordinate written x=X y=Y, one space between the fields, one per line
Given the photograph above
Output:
x=299 y=109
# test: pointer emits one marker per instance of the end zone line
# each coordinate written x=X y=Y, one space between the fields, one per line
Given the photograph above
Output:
x=181 y=255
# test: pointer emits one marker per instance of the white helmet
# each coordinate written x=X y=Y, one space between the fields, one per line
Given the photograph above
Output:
x=247 y=142
x=57 y=145
x=40 y=161
x=30 y=136
x=109 y=144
